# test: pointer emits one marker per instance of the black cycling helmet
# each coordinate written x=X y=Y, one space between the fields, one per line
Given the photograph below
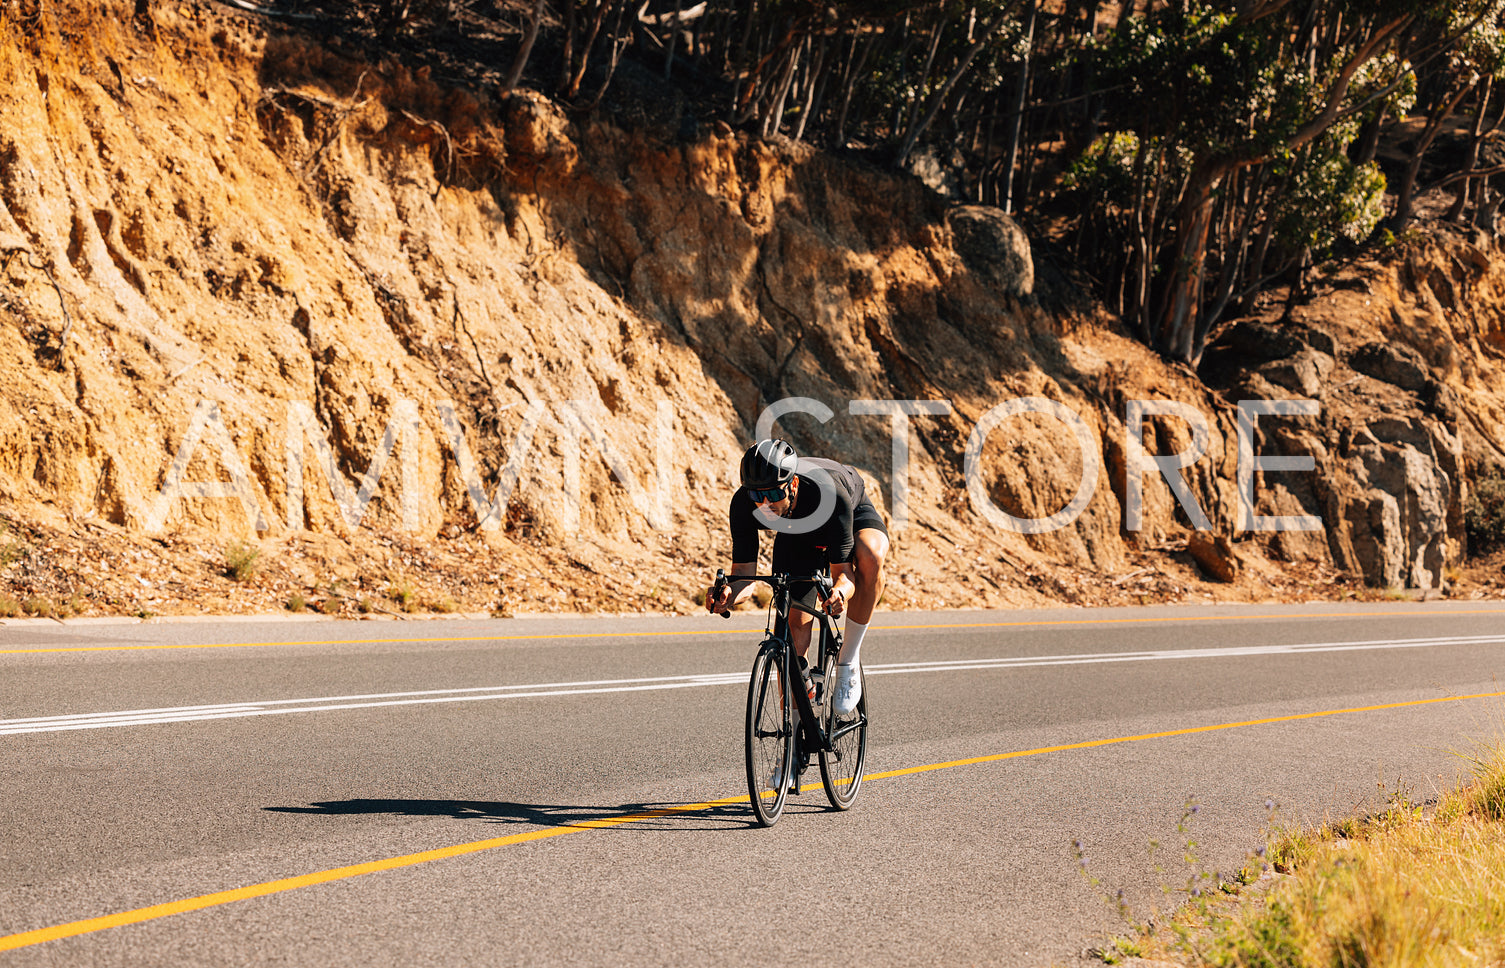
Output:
x=768 y=464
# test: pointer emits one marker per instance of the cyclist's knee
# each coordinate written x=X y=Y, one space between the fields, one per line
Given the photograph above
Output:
x=868 y=555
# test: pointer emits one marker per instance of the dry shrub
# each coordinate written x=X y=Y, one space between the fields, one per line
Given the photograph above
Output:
x=242 y=560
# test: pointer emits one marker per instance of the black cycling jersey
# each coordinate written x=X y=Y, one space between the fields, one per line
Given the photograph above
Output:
x=832 y=541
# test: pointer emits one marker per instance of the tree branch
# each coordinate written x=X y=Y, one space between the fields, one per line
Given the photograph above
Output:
x=1459 y=176
x=1339 y=86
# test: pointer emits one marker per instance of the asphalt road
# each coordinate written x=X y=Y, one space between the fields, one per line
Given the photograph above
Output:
x=531 y=792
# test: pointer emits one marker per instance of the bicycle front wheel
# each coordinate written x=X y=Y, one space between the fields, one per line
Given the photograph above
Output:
x=841 y=765
x=770 y=736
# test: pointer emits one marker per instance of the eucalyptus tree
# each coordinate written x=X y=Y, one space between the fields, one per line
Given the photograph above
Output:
x=1192 y=152
x=1465 y=78
x=1226 y=157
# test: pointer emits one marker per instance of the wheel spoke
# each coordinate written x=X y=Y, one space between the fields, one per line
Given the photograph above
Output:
x=841 y=765
x=769 y=736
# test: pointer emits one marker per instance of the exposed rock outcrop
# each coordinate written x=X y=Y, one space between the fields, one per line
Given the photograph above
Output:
x=251 y=288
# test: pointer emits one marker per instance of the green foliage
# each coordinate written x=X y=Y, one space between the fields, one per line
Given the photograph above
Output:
x=1329 y=199
x=1119 y=948
x=1226 y=85
x=1386 y=83
x=1250 y=123
x=1211 y=81
x=1487 y=797
x=1106 y=170
x=1482 y=46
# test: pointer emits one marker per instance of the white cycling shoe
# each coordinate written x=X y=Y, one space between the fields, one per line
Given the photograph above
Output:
x=776 y=782
x=847 y=692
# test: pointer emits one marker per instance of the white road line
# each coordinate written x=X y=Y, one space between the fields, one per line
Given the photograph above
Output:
x=1231 y=652
x=277 y=707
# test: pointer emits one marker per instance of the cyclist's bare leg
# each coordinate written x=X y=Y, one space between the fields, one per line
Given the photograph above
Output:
x=800 y=626
x=865 y=573
x=867 y=561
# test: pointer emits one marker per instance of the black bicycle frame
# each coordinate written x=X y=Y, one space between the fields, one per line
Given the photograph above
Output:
x=813 y=736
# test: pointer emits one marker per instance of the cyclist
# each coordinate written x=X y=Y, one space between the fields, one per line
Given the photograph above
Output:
x=820 y=511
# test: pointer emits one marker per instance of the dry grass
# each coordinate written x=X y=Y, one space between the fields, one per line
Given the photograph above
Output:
x=242 y=560
x=1402 y=889
x=10 y=551
x=402 y=592
x=444 y=605
x=38 y=607
x=333 y=600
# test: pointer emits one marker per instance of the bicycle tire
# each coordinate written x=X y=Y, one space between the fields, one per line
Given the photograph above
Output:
x=841 y=766
x=769 y=735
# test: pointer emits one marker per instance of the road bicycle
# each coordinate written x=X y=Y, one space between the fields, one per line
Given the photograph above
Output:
x=789 y=716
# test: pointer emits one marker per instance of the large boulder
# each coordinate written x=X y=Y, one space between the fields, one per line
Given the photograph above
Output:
x=994 y=247
x=1393 y=363
x=1304 y=372
x=1394 y=500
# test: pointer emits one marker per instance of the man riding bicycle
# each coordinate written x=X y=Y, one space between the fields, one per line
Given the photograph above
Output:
x=820 y=511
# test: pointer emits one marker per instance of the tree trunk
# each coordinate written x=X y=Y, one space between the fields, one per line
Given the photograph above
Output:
x=568 y=57
x=673 y=40
x=603 y=7
x=914 y=105
x=814 y=73
x=1175 y=325
x=530 y=34
x=1471 y=159
x=917 y=127
x=619 y=43
x=849 y=84
x=1016 y=120
x=1407 y=194
x=773 y=117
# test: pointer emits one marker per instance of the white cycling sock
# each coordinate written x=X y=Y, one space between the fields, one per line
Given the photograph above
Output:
x=851 y=643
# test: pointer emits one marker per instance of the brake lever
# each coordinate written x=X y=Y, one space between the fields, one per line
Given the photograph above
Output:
x=721 y=583
x=827 y=585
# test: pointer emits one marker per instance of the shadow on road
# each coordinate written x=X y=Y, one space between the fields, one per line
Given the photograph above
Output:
x=663 y=816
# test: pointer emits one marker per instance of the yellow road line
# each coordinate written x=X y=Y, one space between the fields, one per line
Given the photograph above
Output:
x=742 y=631
x=1188 y=731
x=418 y=641
x=90 y=925
x=170 y=908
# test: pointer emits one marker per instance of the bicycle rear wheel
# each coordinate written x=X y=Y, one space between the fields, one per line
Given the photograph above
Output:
x=841 y=766
x=770 y=736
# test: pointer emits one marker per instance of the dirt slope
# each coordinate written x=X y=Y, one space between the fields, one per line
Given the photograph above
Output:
x=416 y=349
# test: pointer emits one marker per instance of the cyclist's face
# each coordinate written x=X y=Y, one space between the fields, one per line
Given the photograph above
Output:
x=780 y=506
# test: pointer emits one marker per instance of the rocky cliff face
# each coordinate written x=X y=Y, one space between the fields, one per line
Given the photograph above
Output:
x=391 y=332
x=1404 y=354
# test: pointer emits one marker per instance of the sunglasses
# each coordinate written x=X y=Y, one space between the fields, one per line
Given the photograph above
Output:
x=773 y=495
